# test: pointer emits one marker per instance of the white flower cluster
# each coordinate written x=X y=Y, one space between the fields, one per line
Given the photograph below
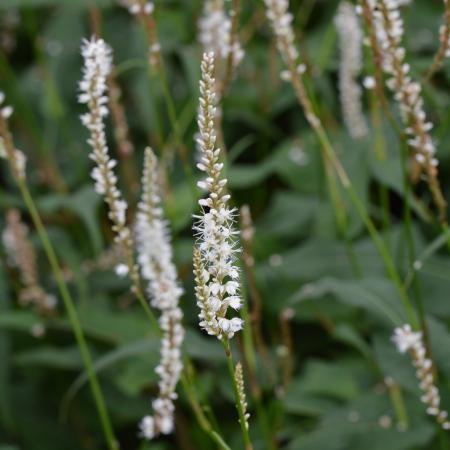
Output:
x=157 y=268
x=16 y=158
x=215 y=32
x=410 y=341
x=217 y=276
x=350 y=40
x=281 y=20
x=93 y=87
x=389 y=30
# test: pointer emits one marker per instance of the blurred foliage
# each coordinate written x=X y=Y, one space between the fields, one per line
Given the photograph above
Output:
x=342 y=308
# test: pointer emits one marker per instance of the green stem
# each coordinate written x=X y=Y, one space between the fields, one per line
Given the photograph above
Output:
x=170 y=105
x=395 y=393
x=250 y=358
x=200 y=415
x=363 y=214
x=144 y=303
x=241 y=412
x=73 y=317
x=410 y=241
x=380 y=154
x=249 y=348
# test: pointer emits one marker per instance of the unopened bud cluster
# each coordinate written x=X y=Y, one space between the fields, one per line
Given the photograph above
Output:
x=239 y=376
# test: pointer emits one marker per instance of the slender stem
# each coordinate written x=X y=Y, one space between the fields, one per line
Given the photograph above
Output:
x=255 y=314
x=250 y=359
x=156 y=67
x=395 y=394
x=200 y=415
x=73 y=317
x=170 y=105
x=241 y=412
x=363 y=214
x=444 y=37
x=380 y=154
x=144 y=303
x=410 y=241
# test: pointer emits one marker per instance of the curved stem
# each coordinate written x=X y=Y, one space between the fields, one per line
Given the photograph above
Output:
x=170 y=105
x=200 y=415
x=410 y=242
x=363 y=214
x=73 y=317
x=444 y=45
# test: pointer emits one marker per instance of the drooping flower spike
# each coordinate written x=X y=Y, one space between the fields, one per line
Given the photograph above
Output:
x=411 y=341
x=157 y=268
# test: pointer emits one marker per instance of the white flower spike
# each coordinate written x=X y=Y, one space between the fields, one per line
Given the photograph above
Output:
x=157 y=268
x=216 y=275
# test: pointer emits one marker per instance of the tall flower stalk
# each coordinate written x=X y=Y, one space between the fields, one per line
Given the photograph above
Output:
x=97 y=57
x=16 y=160
x=215 y=270
x=157 y=268
x=389 y=30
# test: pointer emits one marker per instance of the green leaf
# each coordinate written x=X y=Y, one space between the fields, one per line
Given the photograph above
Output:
x=348 y=375
x=67 y=358
x=288 y=214
x=376 y=296
x=110 y=359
